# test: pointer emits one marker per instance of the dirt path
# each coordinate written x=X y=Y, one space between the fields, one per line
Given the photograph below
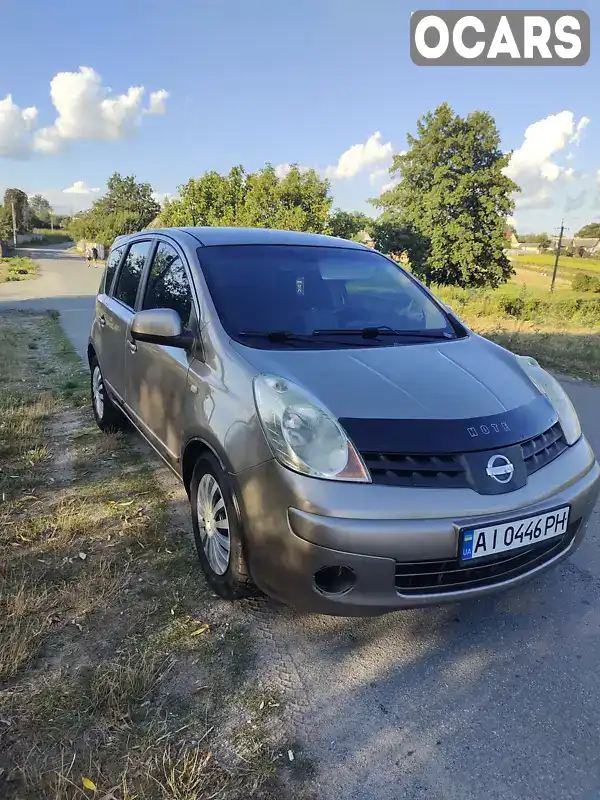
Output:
x=490 y=699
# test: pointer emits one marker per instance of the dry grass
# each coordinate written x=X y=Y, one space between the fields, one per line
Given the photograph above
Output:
x=104 y=678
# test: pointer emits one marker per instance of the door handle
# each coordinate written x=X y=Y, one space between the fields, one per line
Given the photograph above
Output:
x=102 y=320
x=132 y=346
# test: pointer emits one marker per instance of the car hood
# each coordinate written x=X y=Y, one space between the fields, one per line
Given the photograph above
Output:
x=459 y=379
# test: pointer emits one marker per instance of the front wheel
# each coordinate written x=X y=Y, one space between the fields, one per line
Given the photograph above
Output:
x=218 y=531
x=108 y=417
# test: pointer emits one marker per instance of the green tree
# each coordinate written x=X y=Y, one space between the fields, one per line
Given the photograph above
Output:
x=6 y=230
x=127 y=207
x=453 y=193
x=126 y=195
x=41 y=211
x=299 y=201
x=591 y=231
x=394 y=237
x=535 y=238
x=347 y=224
x=19 y=199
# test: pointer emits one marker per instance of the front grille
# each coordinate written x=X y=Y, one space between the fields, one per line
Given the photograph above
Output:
x=449 y=471
x=543 y=449
x=444 y=472
x=439 y=577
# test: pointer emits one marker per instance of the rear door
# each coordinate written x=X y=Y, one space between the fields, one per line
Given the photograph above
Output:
x=117 y=314
x=101 y=335
x=157 y=375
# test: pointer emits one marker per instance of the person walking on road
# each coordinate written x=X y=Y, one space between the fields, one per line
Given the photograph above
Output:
x=95 y=255
x=88 y=255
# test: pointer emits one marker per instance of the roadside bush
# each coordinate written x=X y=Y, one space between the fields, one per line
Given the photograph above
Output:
x=585 y=283
x=542 y=310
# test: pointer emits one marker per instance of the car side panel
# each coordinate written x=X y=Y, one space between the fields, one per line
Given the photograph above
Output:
x=156 y=392
x=109 y=334
x=219 y=408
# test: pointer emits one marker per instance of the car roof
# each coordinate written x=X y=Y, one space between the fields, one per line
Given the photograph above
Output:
x=210 y=237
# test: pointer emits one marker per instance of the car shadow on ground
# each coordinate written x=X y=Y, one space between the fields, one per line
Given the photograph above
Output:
x=495 y=698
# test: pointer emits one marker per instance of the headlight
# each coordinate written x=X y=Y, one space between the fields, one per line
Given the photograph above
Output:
x=551 y=388
x=303 y=435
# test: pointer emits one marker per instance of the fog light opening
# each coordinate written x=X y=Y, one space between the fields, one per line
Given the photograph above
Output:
x=335 y=580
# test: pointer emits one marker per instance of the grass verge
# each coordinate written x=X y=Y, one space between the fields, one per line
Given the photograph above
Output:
x=17 y=268
x=121 y=676
x=561 y=330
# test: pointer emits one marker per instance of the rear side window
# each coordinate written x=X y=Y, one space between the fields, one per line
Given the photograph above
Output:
x=131 y=272
x=168 y=284
x=111 y=267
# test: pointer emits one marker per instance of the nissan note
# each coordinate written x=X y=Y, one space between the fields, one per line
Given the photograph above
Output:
x=347 y=444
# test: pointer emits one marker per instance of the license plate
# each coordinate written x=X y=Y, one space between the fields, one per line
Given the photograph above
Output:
x=490 y=540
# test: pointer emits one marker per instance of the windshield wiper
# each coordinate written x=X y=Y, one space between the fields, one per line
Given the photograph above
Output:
x=382 y=330
x=276 y=336
x=289 y=336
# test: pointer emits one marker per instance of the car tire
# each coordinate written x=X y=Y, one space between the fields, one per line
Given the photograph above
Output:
x=218 y=531
x=108 y=417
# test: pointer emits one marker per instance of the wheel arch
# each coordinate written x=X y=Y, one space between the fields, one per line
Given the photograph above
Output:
x=194 y=449
x=91 y=354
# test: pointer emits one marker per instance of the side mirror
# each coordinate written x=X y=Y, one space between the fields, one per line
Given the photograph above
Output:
x=161 y=326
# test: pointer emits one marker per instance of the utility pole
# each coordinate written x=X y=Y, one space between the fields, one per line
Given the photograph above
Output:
x=562 y=230
x=14 y=221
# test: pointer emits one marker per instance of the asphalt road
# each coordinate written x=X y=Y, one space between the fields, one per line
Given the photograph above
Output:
x=490 y=700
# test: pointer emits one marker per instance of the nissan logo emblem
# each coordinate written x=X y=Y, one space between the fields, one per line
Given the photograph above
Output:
x=500 y=468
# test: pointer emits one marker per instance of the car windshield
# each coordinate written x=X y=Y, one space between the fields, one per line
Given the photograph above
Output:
x=306 y=296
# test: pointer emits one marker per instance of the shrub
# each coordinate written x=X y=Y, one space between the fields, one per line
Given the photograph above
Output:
x=473 y=304
x=585 y=283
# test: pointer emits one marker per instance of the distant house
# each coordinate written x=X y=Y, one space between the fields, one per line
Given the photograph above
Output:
x=530 y=247
x=577 y=246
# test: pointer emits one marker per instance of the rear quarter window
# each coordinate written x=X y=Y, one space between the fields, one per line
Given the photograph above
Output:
x=130 y=273
x=112 y=263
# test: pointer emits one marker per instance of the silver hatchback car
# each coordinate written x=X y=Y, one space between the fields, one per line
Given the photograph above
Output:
x=348 y=445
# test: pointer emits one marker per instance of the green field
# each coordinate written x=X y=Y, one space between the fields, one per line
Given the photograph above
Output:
x=561 y=330
x=567 y=267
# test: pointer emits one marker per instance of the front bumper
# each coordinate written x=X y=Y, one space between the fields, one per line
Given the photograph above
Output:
x=297 y=525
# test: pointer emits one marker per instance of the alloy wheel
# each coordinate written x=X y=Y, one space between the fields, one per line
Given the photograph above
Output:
x=213 y=524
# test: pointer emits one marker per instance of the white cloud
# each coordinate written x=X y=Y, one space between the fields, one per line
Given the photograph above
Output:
x=85 y=110
x=377 y=174
x=581 y=125
x=542 y=198
x=160 y=197
x=281 y=170
x=511 y=221
x=598 y=177
x=389 y=185
x=359 y=156
x=157 y=104
x=15 y=128
x=533 y=165
x=79 y=187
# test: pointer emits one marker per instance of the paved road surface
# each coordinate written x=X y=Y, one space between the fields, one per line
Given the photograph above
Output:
x=490 y=700
x=65 y=283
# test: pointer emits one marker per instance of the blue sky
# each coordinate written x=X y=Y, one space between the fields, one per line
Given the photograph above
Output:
x=250 y=82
